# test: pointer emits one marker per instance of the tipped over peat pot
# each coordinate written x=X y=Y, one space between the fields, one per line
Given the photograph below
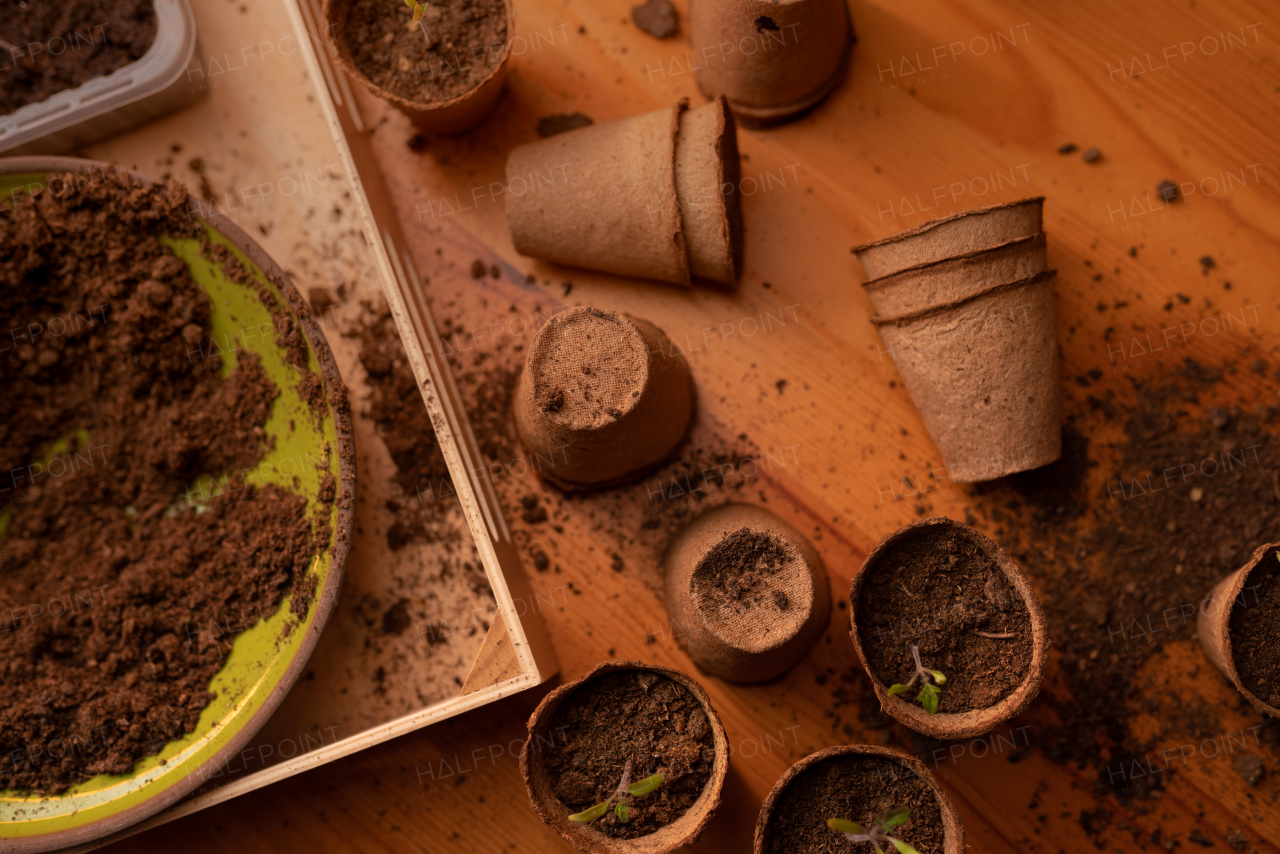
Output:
x=603 y=398
x=773 y=60
x=626 y=717
x=970 y=611
x=858 y=783
x=747 y=591
x=446 y=88
x=237 y=451
x=653 y=196
x=1238 y=625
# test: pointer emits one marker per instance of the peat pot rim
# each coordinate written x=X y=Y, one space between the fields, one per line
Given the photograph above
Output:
x=911 y=317
x=952 y=825
x=326 y=598
x=1216 y=635
x=975 y=722
x=555 y=814
x=932 y=224
x=977 y=255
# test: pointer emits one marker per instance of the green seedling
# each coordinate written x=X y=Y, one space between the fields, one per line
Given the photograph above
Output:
x=877 y=833
x=419 y=9
x=929 y=692
x=621 y=798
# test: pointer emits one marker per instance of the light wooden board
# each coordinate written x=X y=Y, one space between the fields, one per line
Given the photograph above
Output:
x=835 y=442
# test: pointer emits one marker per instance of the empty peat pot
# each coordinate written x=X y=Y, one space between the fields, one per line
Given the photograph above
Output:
x=633 y=720
x=941 y=282
x=859 y=783
x=602 y=398
x=747 y=591
x=947 y=592
x=960 y=234
x=653 y=196
x=1238 y=624
x=774 y=60
x=445 y=89
x=983 y=373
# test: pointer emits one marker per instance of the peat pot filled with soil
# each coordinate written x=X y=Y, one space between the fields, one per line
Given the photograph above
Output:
x=949 y=629
x=442 y=64
x=177 y=503
x=845 y=797
x=629 y=758
x=1239 y=624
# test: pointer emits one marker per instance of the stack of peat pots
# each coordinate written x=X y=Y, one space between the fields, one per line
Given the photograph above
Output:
x=965 y=306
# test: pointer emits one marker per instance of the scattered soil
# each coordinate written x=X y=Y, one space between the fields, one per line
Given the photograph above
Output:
x=740 y=573
x=657 y=18
x=857 y=788
x=936 y=589
x=1105 y=560
x=72 y=43
x=1254 y=626
x=121 y=600
x=468 y=40
x=639 y=717
x=560 y=123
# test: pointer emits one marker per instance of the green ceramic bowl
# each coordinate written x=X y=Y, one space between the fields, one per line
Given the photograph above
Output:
x=266 y=659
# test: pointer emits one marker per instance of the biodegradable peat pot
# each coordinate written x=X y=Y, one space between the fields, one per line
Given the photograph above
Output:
x=666 y=728
x=926 y=285
x=948 y=237
x=602 y=399
x=748 y=592
x=1241 y=638
x=450 y=115
x=858 y=783
x=774 y=60
x=653 y=196
x=983 y=373
x=945 y=588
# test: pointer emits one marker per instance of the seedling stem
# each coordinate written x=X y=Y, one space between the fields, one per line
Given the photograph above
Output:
x=877 y=833
x=621 y=797
x=929 y=692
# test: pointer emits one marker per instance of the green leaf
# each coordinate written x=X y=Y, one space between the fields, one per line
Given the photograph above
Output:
x=590 y=815
x=840 y=825
x=938 y=677
x=645 y=786
x=409 y=3
x=896 y=688
x=929 y=699
x=895 y=818
x=903 y=848
x=621 y=811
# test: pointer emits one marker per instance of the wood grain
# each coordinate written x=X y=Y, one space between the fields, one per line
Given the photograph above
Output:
x=840 y=451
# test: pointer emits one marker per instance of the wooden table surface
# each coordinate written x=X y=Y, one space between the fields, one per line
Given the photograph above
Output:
x=831 y=446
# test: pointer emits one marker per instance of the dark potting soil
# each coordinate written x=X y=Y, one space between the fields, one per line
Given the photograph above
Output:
x=468 y=40
x=1122 y=568
x=633 y=716
x=861 y=789
x=936 y=589
x=1254 y=626
x=52 y=47
x=120 y=600
x=740 y=572
x=657 y=18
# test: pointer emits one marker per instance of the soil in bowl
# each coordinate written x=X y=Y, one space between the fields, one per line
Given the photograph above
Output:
x=1254 y=626
x=937 y=589
x=857 y=788
x=633 y=716
x=97 y=37
x=468 y=40
x=122 y=596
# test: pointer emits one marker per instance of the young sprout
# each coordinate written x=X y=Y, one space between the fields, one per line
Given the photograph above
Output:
x=621 y=797
x=877 y=833
x=419 y=9
x=929 y=692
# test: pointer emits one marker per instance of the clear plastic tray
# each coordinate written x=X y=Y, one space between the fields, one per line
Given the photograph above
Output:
x=116 y=102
